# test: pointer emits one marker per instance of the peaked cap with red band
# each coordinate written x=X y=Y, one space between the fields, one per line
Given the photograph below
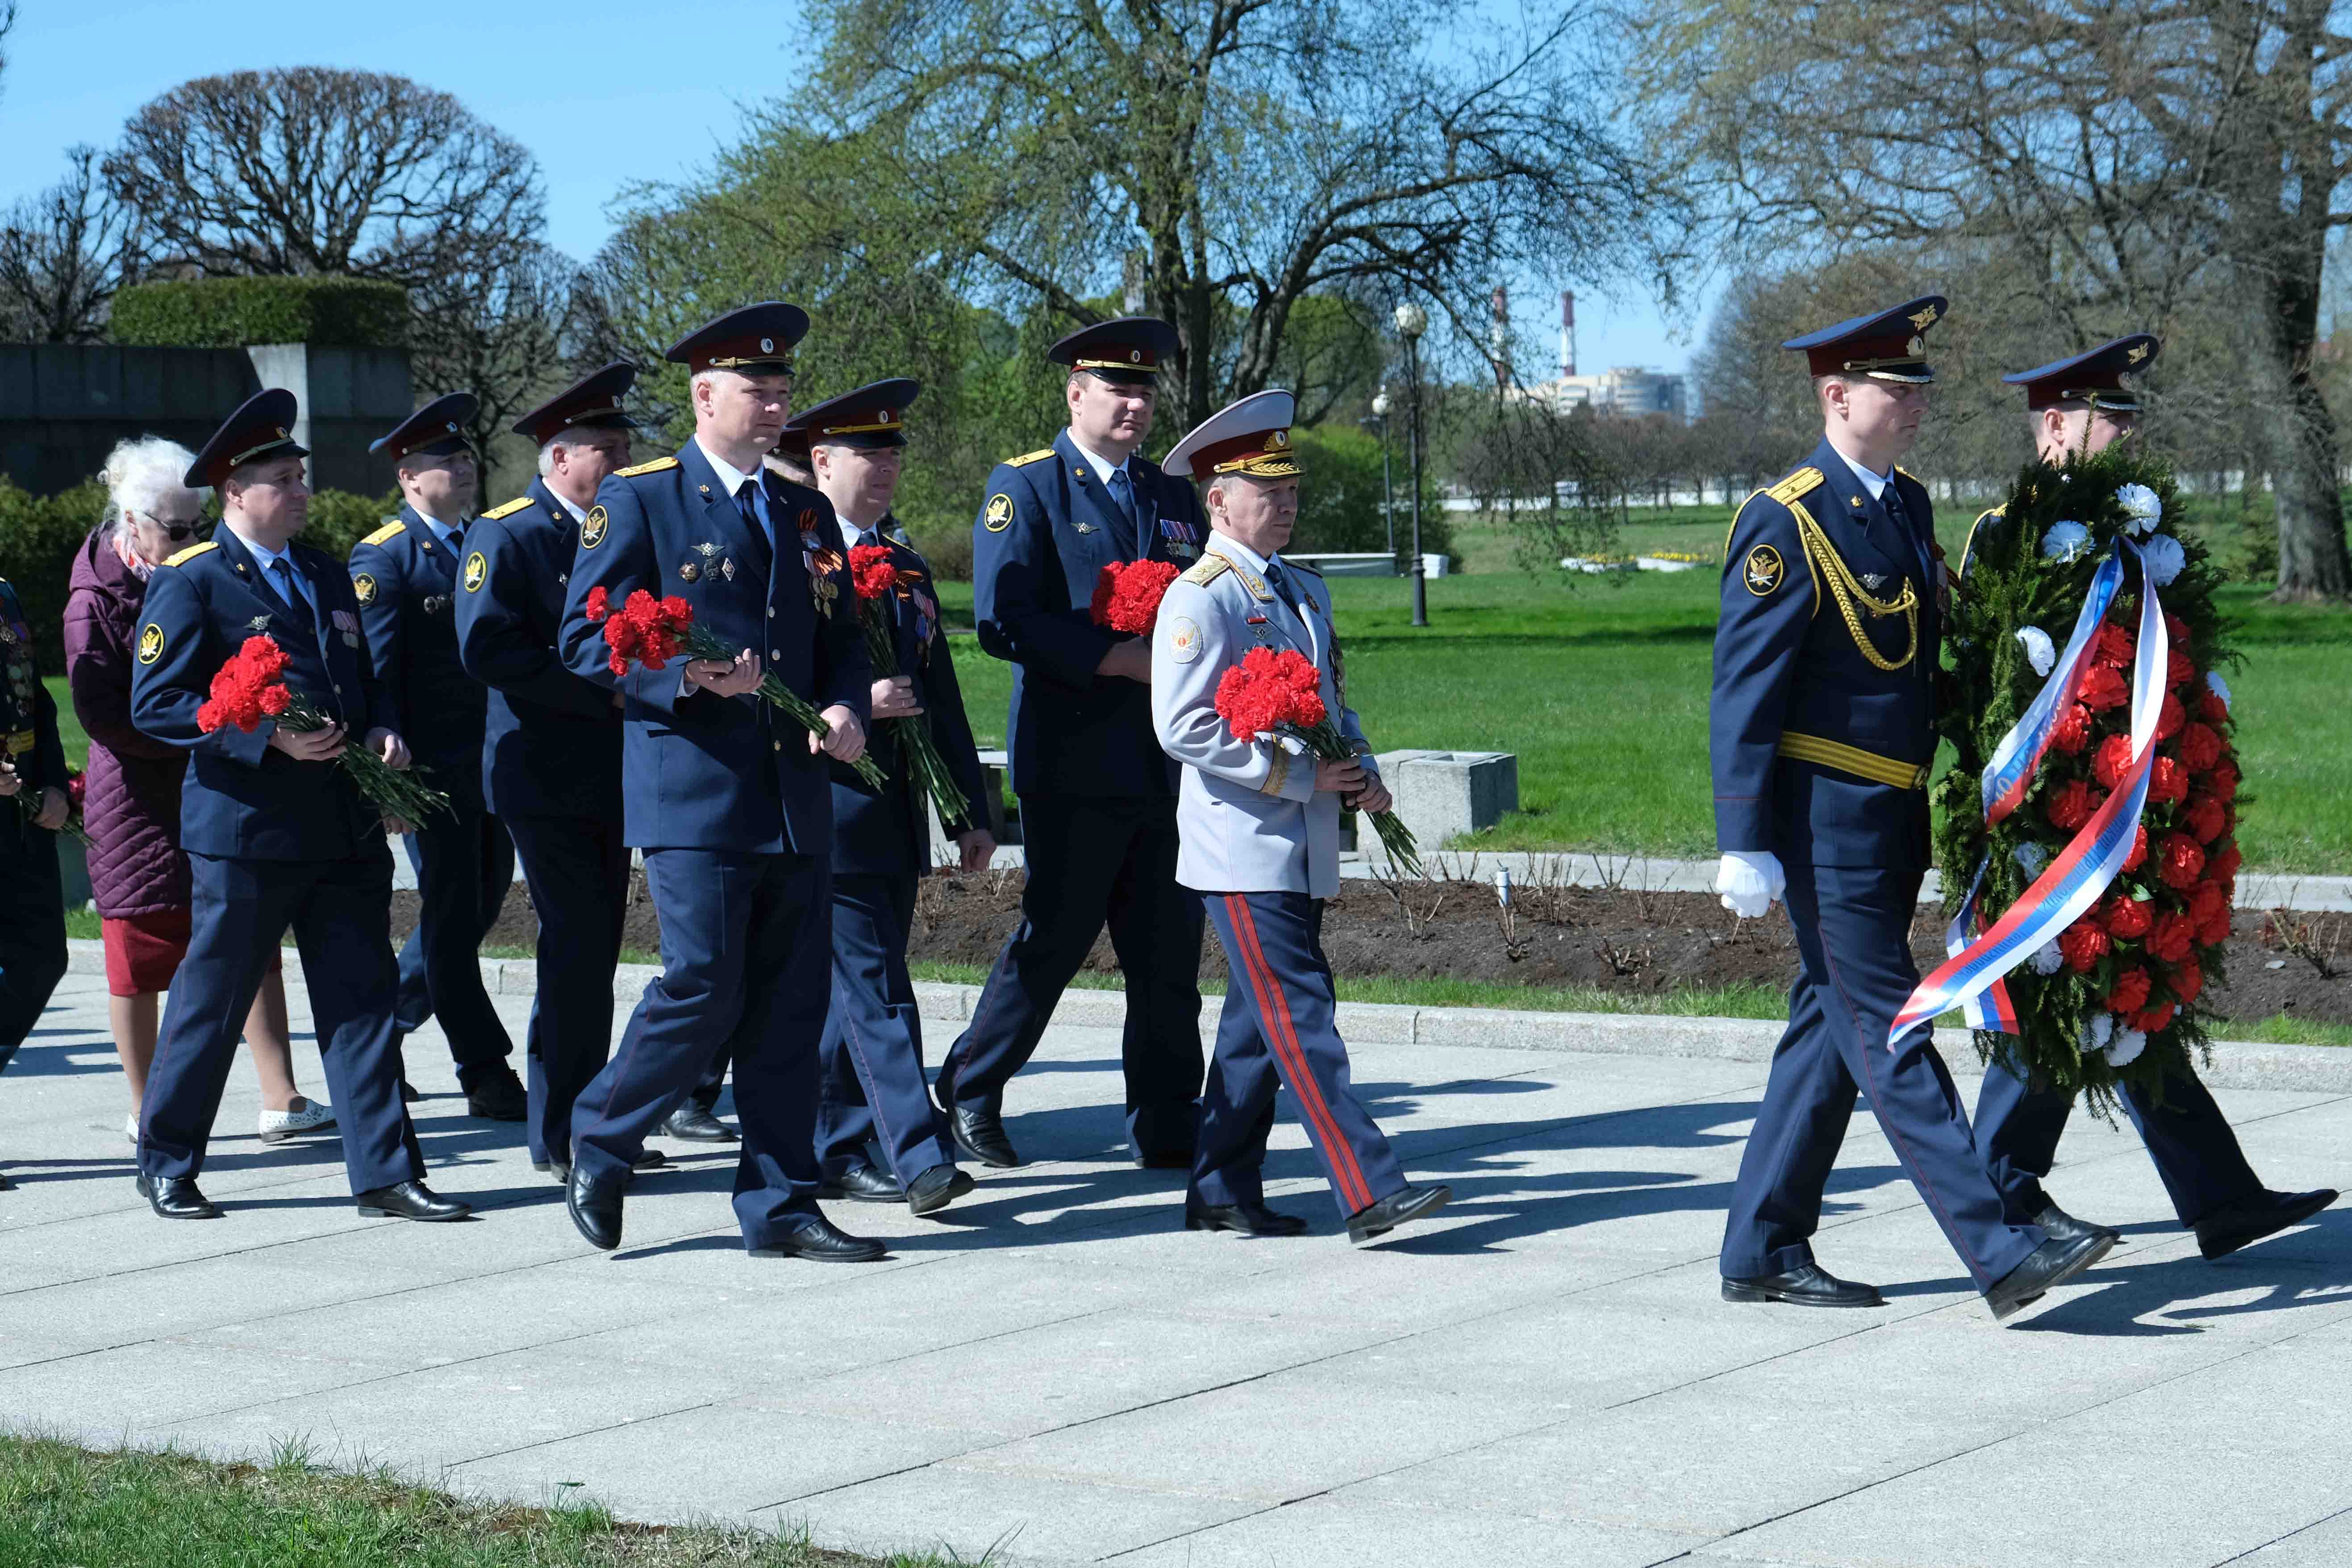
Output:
x=1127 y=351
x=262 y=426
x=756 y=340
x=1886 y=345
x=873 y=415
x=2094 y=377
x=593 y=402
x=1252 y=437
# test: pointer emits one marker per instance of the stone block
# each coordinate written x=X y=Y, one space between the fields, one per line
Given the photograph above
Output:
x=1440 y=794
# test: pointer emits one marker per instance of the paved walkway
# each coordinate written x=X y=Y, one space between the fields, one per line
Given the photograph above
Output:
x=1545 y=1376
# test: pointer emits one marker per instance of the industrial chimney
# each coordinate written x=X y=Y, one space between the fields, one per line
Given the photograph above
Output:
x=1567 y=333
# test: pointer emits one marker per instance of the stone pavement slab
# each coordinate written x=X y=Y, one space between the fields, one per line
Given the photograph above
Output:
x=1058 y=1371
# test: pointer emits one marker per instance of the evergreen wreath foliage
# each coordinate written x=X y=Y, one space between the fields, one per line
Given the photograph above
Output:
x=2166 y=916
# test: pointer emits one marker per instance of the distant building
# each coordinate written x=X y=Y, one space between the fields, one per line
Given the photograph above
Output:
x=1629 y=390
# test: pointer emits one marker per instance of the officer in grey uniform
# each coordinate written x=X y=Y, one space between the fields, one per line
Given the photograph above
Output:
x=1258 y=820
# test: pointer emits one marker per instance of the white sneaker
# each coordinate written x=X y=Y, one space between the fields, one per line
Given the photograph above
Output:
x=306 y=1116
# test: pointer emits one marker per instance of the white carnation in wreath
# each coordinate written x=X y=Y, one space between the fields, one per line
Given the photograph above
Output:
x=2065 y=541
x=2047 y=959
x=2163 y=558
x=2039 y=651
x=2140 y=505
x=2126 y=1048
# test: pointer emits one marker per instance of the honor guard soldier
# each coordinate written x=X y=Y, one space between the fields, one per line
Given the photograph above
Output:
x=1098 y=794
x=1821 y=731
x=552 y=745
x=34 y=805
x=726 y=795
x=1260 y=822
x=874 y=1087
x=2077 y=406
x=408 y=575
x=277 y=835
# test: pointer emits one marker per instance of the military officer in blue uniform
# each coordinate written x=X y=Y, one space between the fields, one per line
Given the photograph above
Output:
x=726 y=795
x=874 y=1086
x=1260 y=821
x=1098 y=794
x=277 y=835
x=552 y=744
x=33 y=805
x=1821 y=733
x=408 y=575
x=2078 y=405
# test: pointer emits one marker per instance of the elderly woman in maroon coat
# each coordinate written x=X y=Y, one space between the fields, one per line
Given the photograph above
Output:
x=130 y=806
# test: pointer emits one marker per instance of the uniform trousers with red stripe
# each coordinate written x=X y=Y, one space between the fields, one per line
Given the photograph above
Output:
x=1278 y=1029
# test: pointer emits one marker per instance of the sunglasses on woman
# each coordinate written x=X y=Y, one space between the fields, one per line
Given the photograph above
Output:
x=175 y=531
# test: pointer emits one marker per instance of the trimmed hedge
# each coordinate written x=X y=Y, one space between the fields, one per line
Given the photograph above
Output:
x=40 y=535
x=238 y=312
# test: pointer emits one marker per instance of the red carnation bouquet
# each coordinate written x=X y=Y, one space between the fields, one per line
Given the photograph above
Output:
x=1274 y=692
x=1127 y=594
x=876 y=577
x=651 y=632
x=251 y=687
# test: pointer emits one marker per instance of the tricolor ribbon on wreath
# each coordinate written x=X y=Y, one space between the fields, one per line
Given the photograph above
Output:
x=1971 y=977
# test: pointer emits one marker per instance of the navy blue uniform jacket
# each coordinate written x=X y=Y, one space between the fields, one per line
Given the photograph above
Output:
x=887 y=833
x=1043 y=535
x=1785 y=661
x=698 y=771
x=551 y=742
x=407 y=586
x=245 y=799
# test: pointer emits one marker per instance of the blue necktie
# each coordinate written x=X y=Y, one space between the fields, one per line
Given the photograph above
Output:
x=1122 y=490
x=748 y=501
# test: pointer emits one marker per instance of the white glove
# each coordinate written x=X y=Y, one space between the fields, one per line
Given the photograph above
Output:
x=1751 y=882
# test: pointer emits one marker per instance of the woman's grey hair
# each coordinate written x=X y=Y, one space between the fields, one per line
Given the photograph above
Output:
x=142 y=475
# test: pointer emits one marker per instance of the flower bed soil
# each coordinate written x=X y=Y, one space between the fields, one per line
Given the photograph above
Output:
x=1620 y=941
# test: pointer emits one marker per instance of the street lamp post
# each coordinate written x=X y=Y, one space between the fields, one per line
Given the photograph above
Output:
x=1412 y=320
x=1381 y=410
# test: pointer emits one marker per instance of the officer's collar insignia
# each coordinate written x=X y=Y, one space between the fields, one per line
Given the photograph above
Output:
x=1763 y=571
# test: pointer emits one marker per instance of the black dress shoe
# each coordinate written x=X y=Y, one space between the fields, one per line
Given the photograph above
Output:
x=5 y=1184
x=2060 y=1226
x=176 y=1197
x=817 y=1239
x=1250 y=1219
x=1406 y=1204
x=1161 y=1159
x=936 y=1188
x=2222 y=1231
x=411 y=1200
x=979 y=1132
x=695 y=1125
x=2049 y=1265
x=650 y=1160
x=595 y=1208
x=863 y=1184
x=1807 y=1285
x=502 y=1098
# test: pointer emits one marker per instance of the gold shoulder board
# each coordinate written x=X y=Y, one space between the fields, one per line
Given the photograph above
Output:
x=1206 y=570
x=190 y=554
x=655 y=467
x=1795 y=485
x=390 y=531
x=1025 y=458
x=509 y=509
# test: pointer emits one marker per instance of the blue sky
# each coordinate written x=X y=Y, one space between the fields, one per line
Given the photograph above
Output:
x=603 y=93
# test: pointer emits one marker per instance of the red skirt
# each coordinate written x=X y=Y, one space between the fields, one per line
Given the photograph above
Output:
x=143 y=951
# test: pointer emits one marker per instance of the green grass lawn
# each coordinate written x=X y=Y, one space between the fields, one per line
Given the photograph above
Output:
x=66 y=1507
